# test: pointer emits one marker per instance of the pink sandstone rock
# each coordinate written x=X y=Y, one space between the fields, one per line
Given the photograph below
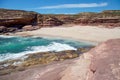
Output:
x=100 y=63
x=106 y=61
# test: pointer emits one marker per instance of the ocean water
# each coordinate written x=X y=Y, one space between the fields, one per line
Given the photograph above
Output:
x=12 y=47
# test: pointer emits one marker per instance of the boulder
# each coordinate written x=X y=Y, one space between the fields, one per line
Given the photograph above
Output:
x=36 y=27
x=2 y=29
x=28 y=28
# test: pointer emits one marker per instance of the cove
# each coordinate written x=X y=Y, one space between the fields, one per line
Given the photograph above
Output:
x=12 y=47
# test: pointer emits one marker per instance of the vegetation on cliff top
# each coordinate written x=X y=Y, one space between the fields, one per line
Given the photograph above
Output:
x=6 y=13
x=11 y=14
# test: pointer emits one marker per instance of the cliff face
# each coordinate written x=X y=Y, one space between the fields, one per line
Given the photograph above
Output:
x=47 y=20
x=105 y=18
x=110 y=18
x=12 y=20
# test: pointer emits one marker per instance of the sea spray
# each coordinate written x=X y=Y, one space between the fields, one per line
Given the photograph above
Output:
x=12 y=47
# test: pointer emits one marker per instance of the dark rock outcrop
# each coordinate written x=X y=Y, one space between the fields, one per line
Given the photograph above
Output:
x=16 y=18
x=2 y=29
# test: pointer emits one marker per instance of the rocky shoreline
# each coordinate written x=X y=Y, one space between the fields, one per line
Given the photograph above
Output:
x=20 y=64
x=101 y=62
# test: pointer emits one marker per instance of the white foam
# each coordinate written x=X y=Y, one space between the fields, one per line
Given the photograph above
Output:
x=5 y=36
x=54 y=46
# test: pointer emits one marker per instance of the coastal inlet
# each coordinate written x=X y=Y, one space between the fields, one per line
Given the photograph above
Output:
x=20 y=52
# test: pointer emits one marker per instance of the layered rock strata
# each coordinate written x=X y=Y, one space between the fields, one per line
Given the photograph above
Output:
x=17 y=19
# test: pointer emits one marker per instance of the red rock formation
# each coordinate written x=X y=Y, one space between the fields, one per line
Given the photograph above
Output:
x=16 y=18
x=66 y=19
x=100 y=63
x=52 y=22
x=48 y=21
x=81 y=21
x=106 y=61
x=107 y=22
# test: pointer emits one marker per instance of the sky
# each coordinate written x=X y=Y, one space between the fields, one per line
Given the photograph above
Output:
x=61 y=6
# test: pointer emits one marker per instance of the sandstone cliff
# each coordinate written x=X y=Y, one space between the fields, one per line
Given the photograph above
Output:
x=12 y=20
x=48 y=20
x=16 y=18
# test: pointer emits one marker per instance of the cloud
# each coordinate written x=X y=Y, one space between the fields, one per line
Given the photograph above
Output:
x=84 y=5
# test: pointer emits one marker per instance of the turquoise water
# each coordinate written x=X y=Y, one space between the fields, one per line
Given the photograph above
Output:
x=13 y=47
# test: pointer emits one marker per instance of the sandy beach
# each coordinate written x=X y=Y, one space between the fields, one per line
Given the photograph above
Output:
x=87 y=33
